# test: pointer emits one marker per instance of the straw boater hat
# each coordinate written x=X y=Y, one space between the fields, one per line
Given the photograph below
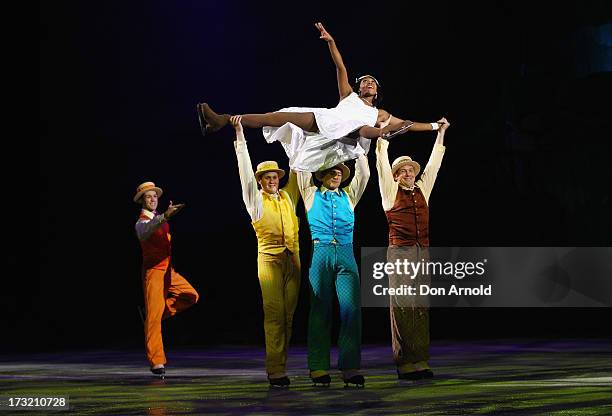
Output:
x=144 y=187
x=346 y=172
x=268 y=166
x=405 y=160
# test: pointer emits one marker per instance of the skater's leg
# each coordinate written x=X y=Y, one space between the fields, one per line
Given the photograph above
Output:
x=210 y=121
x=270 y=271
x=321 y=280
x=348 y=293
x=181 y=295
x=153 y=287
x=305 y=121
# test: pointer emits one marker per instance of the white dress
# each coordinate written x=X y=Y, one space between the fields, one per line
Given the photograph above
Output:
x=310 y=152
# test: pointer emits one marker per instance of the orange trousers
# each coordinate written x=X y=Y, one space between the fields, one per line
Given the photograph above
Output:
x=166 y=293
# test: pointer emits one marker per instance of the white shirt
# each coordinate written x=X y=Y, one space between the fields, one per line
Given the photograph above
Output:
x=389 y=187
x=251 y=195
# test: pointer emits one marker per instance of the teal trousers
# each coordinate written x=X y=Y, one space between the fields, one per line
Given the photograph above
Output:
x=334 y=270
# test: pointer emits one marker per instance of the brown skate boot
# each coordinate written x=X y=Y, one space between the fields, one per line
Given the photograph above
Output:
x=210 y=121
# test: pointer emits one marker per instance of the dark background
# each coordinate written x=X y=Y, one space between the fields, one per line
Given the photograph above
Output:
x=526 y=86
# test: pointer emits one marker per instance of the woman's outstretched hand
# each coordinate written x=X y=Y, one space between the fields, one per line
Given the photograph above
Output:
x=324 y=35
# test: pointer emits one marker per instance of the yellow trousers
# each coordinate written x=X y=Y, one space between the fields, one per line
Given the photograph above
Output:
x=279 y=279
x=166 y=293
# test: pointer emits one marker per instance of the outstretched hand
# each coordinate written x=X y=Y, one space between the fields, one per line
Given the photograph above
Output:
x=236 y=121
x=324 y=35
x=172 y=210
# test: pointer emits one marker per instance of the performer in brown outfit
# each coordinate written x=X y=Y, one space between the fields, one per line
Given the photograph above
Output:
x=406 y=205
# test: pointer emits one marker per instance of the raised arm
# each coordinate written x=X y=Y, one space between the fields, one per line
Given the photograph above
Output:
x=250 y=194
x=292 y=188
x=430 y=173
x=344 y=87
x=388 y=187
x=307 y=188
x=444 y=124
x=360 y=180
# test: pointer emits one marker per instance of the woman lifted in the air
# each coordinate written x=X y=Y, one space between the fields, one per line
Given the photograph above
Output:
x=319 y=138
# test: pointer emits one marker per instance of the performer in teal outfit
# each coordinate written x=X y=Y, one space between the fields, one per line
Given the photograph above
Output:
x=330 y=212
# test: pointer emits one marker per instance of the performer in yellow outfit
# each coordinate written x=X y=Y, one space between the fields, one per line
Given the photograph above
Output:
x=273 y=217
x=166 y=292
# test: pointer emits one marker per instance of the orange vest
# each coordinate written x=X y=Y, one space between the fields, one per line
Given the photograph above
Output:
x=156 y=249
x=277 y=229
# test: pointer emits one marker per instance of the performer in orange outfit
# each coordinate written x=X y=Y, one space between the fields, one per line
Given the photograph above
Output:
x=166 y=292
